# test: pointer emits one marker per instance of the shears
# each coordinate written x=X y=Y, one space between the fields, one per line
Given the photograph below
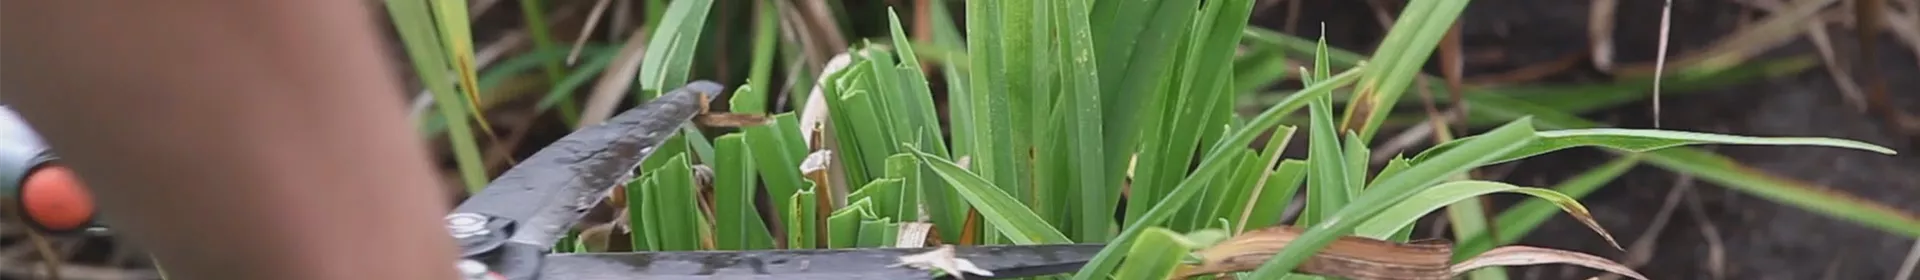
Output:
x=507 y=229
x=36 y=187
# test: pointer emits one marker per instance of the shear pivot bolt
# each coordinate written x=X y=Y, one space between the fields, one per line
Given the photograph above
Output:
x=465 y=225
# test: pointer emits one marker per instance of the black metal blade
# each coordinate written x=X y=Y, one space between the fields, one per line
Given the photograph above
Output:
x=876 y=263
x=552 y=189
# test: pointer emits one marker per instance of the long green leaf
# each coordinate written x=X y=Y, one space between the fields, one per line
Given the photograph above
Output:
x=1406 y=213
x=1105 y=261
x=1392 y=190
x=669 y=54
x=993 y=151
x=1327 y=186
x=413 y=21
x=946 y=209
x=1006 y=214
x=1521 y=219
x=1271 y=202
x=456 y=38
x=1134 y=44
x=1188 y=108
x=1082 y=89
x=1646 y=140
x=1726 y=172
x=766 y=15
x=1402 y=54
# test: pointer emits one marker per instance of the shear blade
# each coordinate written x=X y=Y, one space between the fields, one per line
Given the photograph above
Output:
x=874 y=263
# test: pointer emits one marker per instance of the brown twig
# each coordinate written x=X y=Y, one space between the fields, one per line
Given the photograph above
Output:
x=1716 y=261
x=1600 y=22
x=1868 y=15
x=1293 y=16
x=923 y=29
x=1453 y=64
x=1642 y=250
x=586 y=30
x=1850 y=91
x=1907 y=266
x=1529 y=73
x=622 y=18
x=617 y=78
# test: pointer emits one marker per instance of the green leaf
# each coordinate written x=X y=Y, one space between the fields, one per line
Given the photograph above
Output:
x=915 y=192
x=765 y=19
x=878 y=233
x=803 y=220
x=1082 y=91
x=1723 y=171
x=1135 y=44
x=1327 y=185
x=993 y=149
x=1007 y=215
x=639 y=211
x=1404 y=214
x=671 y=201
x=1646 y=140
x=419 y=33
x=1271 y=201
x=1521 y=219
x=669 y=54
x=864 y=141
x=843 y=227
x=922 y=122
x=1401 y=55
x=1156 y=255
x=736 y=227
x=1356 y=160
x=1213 y=165
x=1188 y=106
x=888 y=196
x=777 y=150
x=1392 y=190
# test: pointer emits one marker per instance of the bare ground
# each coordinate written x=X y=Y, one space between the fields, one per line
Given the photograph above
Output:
x=1734 y=236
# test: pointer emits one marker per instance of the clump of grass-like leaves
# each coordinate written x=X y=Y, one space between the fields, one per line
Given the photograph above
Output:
x=1064 y=111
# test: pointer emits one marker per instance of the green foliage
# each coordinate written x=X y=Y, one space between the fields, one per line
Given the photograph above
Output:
x=1054 y=106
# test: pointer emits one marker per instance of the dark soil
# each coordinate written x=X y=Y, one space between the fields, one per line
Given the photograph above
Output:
x=1759 y=239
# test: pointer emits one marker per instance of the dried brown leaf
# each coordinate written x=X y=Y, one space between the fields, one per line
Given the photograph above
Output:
x=913 y=235
x=615 y=80
x=729 y=120
x=1349 y=257
x=1600 y=33
x=597 y=237
x=1777 y=29
x=1524 y=255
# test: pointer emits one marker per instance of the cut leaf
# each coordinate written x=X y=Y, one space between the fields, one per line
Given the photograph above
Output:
x=1523 y=255
x=1007 y=215
x=1405 y=213
x=1105 y=261
x=1349 y=257
x=1647 y=140
x=1156 y=255
x=1392 y=190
